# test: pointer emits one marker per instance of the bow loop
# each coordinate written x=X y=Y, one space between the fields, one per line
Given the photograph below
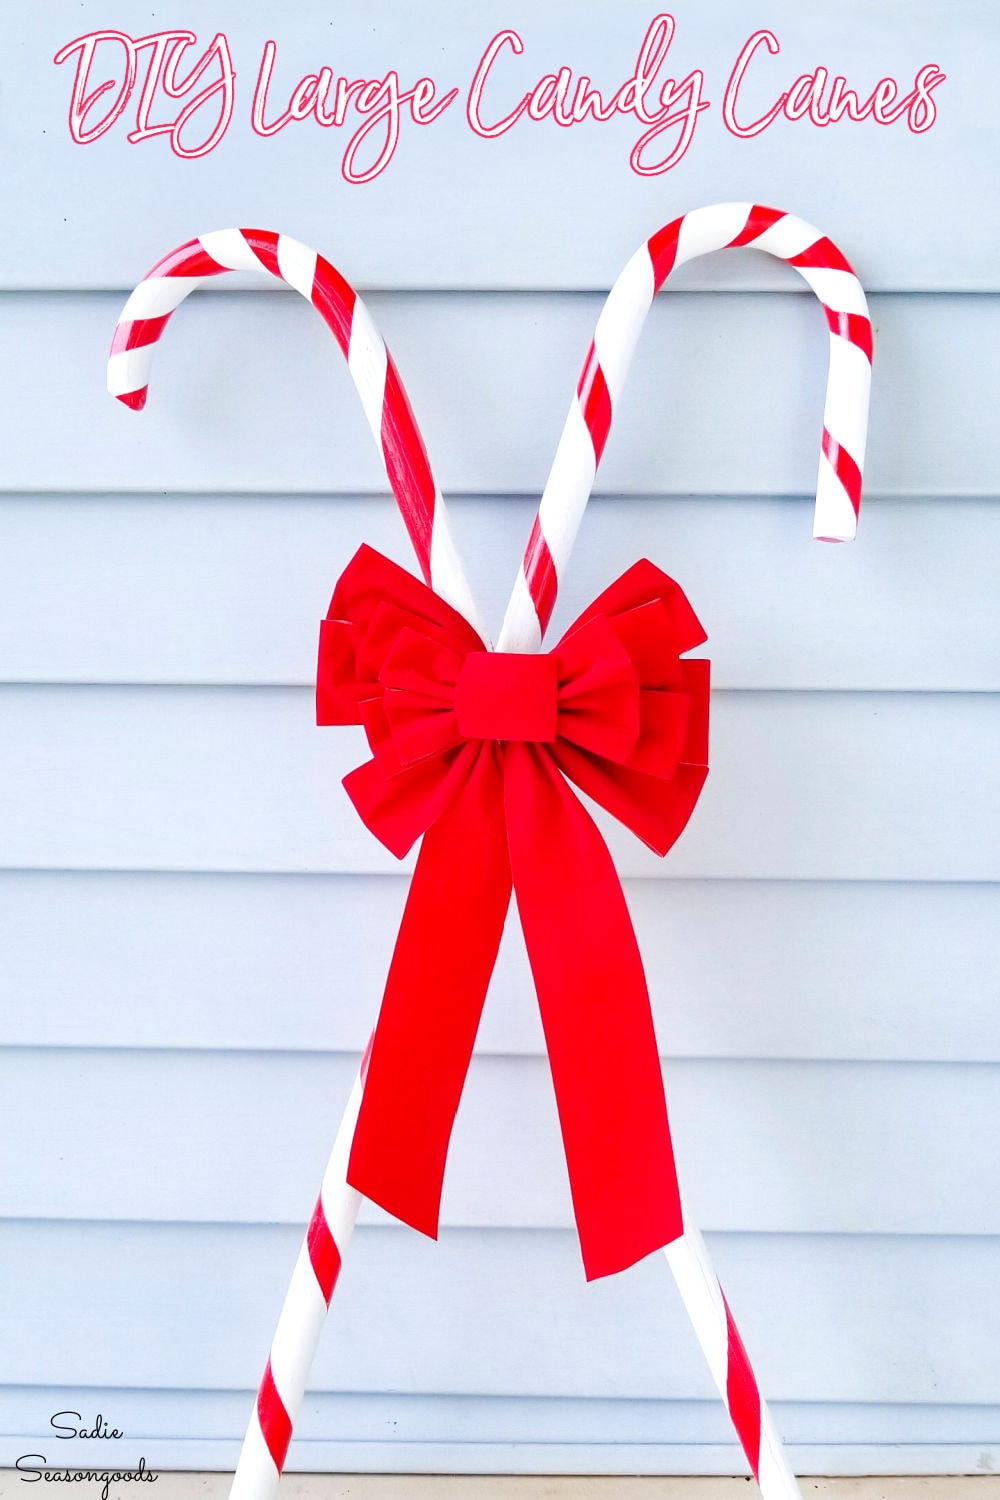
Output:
x=598 y=691
x=645 y=584
x=418 y=677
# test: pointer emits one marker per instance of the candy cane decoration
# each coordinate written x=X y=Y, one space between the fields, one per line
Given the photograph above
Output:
x=561 y=508
x=845 y=417
x=386 y=407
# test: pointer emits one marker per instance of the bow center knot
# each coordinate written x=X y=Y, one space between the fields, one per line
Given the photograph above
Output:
x=506 y=695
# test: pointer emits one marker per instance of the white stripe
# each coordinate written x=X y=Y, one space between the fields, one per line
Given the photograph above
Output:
x=621 y=321
x=833 y=519
x=229 y=248
x=774 y=1477
x=560 y=511
x=297 y=1334
x=447 y=577
x=158 y=296
x=702 y=1296
x=297 y=264
x=786 y=237
x=367 y=360
x=129 y=370
x=520 y=630
x=838 y=289
x=567 y=488
x=256 y=1476
x=705 y=229
x=340 y=1202
x=848 y=386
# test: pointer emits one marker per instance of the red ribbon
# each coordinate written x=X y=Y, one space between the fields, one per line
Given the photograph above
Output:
x=473 y=749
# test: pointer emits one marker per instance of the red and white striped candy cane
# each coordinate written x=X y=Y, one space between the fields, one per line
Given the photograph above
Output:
x=845 y=417
x=173 y=278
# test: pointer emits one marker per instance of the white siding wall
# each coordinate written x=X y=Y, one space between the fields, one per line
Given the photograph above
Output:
x=194 y=927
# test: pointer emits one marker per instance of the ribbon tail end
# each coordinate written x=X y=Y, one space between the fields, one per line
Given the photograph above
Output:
x=423 y=1217
x=607 y=1259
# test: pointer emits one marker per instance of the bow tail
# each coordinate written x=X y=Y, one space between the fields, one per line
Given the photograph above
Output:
x=441 y=966
x=596 y=1016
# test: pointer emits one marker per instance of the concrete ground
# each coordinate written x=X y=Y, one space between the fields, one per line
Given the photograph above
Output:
x=504 y=1487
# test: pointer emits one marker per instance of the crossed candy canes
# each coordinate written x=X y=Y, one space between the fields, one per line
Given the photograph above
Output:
x=567 y=490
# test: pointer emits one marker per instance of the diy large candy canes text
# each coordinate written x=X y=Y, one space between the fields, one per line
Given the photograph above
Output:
x=165 y=86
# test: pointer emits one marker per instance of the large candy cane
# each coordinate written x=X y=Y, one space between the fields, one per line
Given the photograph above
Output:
x=845 y=417
x=838 y=498
x=173 y=278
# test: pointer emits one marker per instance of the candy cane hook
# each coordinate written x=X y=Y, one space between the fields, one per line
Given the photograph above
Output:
x=845 y=416
x=390 y=418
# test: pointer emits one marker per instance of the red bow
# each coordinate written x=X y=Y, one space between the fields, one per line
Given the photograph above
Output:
x=472 y=749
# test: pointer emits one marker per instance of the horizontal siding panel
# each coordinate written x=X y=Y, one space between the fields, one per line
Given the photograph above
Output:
x=811 y=786
x=736 y=969
x=891 y=198
x=828 y=1319
x=791 y=1147
x=156 y=1417
x=206 y=589
x=390 y=1432
x=726 y=396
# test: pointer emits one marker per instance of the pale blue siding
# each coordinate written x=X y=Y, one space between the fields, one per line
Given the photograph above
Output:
x=194 y=927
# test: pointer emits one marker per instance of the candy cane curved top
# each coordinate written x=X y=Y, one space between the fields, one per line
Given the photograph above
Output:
x=390 y=418
x=845 y=417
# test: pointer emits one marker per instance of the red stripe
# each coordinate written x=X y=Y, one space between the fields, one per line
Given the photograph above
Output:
x=845 y=469
x=758 y=220
x=323 y=1253
x=274 y=1420
x=822 y=253
x=742 y=1395
x=662 y=249
x=189 y=259
x=136 y=334
x=135 y=399
x=334 y=300
x=264 y=244
x=407 y=467
x=854 y=327
x=595 y=400
x=540 y=575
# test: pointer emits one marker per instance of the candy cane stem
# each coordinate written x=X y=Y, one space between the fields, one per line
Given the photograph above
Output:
x=729 y=1363
x=300 y=1322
